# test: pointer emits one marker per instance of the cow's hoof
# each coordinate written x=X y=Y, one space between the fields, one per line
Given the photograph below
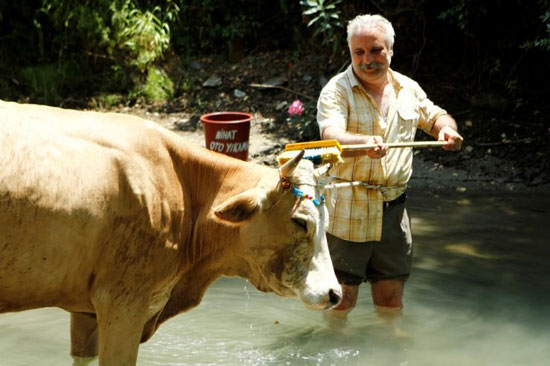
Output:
x=83 y=361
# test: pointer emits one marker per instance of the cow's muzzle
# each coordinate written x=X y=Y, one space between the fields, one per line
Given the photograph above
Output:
x=322 y=301
x=334 y=297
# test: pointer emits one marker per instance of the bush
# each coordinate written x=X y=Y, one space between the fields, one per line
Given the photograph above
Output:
x=115 y=43
x=51 y=82
x=112 y=43
x=158 y=86
x=325 y=20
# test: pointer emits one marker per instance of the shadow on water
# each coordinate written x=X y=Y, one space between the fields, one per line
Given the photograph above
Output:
x=488 y=252
x=478 y=295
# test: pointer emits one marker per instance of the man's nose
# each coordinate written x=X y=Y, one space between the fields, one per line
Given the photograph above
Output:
x=367 y=58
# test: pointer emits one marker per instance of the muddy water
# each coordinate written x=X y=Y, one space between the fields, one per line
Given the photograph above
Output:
x=479 y=295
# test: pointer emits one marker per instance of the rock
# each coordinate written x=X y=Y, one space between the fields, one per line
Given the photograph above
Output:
x=281 y=105
x=239 y=93
x=187 y=124
x=267 y=123
x=277 y=81
x=213 y=81
x=195 y=65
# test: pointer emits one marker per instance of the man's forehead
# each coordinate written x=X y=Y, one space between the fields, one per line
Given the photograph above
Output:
x=370 y=34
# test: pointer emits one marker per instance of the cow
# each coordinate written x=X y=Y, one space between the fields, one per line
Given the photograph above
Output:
x=125 y=224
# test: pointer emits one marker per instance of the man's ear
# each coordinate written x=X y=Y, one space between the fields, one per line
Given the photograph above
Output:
x=241 y=207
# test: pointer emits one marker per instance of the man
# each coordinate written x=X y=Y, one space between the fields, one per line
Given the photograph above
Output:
x=369 y=233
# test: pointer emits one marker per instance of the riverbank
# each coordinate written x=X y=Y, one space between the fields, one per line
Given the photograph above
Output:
x=434 y=170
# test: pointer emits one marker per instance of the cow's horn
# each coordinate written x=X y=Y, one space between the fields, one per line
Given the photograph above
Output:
x=288 y=168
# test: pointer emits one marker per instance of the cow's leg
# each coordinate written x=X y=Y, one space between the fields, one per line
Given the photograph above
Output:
x=83 y=335
x=120 y=329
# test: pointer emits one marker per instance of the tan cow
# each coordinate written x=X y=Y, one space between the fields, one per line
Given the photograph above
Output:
x=124 y=224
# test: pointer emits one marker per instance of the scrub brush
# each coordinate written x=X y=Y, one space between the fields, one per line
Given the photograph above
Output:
x=330 y=151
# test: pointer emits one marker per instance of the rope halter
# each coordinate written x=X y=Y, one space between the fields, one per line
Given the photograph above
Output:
x=288 y=185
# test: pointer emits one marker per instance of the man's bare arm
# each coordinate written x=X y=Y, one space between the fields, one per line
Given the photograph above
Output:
x=346 y=138
x=445 y=129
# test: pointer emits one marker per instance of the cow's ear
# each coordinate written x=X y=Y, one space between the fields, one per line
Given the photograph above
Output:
x=241 y=207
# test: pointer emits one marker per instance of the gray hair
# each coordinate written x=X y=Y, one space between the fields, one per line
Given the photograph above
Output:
x=367 y=21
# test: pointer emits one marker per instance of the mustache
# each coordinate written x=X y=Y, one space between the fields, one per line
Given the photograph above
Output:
x=373 y=65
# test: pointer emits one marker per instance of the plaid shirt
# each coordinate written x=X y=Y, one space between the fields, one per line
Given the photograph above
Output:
x=356 y=212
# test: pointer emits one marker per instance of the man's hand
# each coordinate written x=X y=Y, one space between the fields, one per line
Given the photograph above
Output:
x=445 y=129
x=453 y=138
x=346 y=138
x=379 y=151
x=374 y=153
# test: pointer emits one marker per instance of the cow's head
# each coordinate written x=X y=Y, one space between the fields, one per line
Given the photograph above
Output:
x=282 y=230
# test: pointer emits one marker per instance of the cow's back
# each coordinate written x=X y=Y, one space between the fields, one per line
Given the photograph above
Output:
x=76 y=190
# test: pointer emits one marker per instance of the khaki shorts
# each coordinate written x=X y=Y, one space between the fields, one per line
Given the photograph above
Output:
x=390 y=258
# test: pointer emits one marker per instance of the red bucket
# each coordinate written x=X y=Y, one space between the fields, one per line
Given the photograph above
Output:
x=227 y=133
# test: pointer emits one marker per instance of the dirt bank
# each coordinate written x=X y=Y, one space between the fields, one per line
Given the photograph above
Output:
x=505 y=147
x=434 y=169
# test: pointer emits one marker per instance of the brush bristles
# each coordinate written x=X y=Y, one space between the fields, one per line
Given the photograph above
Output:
x=310 y=145
x=318 y=156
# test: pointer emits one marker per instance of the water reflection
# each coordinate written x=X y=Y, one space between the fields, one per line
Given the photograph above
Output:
x=478 y=296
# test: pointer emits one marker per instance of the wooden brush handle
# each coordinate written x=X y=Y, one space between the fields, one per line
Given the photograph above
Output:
x=395 y=145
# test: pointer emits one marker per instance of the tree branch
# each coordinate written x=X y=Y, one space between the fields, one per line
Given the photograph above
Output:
x=267 y=86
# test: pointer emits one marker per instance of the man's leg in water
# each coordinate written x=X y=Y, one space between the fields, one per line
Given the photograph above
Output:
x=336 y=317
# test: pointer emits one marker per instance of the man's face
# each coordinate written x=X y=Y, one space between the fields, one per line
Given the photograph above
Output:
x=370 y=56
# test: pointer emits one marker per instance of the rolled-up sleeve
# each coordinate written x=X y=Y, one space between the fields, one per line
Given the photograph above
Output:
x=332 y=107
x=429 y=112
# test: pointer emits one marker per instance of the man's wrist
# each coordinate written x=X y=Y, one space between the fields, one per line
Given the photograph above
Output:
x=452 y=127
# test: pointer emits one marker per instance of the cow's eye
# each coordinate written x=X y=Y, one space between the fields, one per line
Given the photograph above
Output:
x=300 y=222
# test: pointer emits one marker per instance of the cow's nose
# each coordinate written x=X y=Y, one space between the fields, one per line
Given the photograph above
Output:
x=334 y=297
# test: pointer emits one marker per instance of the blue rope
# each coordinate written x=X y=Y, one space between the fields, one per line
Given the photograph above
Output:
x=299 y=193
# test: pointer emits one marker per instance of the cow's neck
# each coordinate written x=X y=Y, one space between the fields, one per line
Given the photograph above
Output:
x=212 y=178
x=215 y=179
x=208 y=180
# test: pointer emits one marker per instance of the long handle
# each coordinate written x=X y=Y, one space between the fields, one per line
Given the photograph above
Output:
x=395 y=145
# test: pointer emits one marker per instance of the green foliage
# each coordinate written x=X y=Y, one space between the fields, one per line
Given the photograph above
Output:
x=48 y=83
x=304 y=125
x=117 y=31
x=158 y=87
x=211 y=25
x=106 y=100
x=45 y=82
x=541 y=41
x=142 y=35
x=49 y=47
x=111 y=43
x=544 y=41
x=325 y=18
x=457 y=13
x=190 y=84
x=118 y=41
x=500 y=51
